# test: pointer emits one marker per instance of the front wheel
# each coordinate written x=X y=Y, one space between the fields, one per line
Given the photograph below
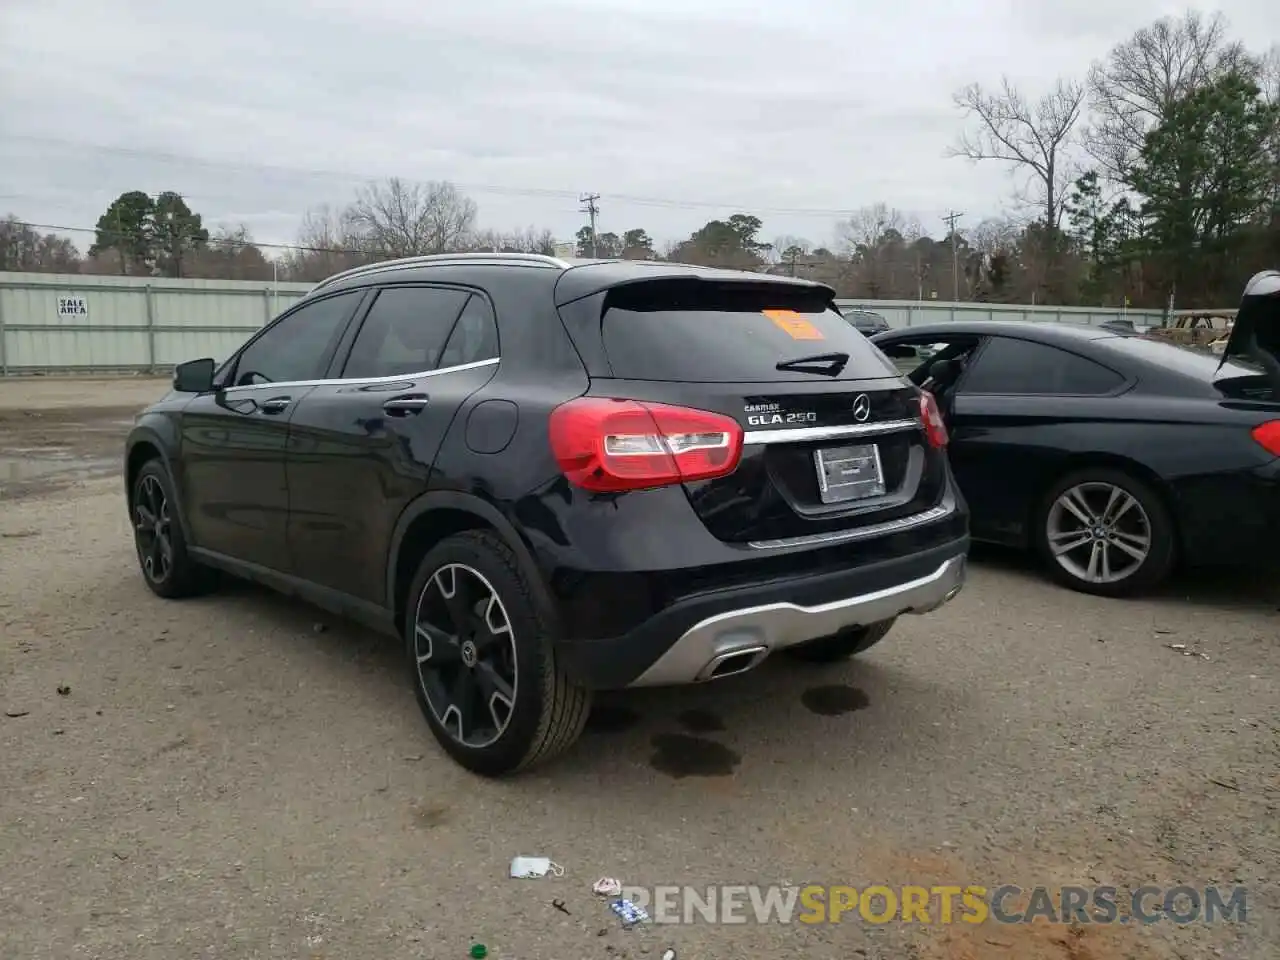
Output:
x=483 y=660
x=167 y=567
x=1105 y=532
x=843 y=645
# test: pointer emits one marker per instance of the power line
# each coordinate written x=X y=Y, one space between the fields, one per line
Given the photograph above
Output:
x=480 y=188
x=589 y=207
x=119 y=234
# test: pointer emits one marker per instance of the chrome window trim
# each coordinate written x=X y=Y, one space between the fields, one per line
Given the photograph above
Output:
x=800 y=434
x=362 y=381
x=943 y=509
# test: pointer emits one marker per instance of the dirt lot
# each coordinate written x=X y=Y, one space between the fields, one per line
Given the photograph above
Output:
x=239 y=776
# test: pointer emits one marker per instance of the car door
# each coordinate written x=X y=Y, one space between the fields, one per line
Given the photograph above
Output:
x=1014 y=415
x=914 y=356
x=232 y=475
x=361 y=447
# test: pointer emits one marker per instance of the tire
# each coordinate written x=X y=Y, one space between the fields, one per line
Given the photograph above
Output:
x=841 y=646
x=167 y=566
x=1137 y=519
x=531 y=710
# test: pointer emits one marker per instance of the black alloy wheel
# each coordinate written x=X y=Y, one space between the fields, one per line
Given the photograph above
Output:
x=484 y=658
x=153 y=529
x=466 y=655
x=167 y=567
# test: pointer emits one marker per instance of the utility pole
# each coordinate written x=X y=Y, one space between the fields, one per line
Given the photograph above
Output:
x=590 y=208
x=950 y=220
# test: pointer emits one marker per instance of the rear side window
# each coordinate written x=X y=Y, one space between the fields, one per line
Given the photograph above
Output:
x=474 y=337
x=1011 y=366
x=699 y=331
x=404 y=332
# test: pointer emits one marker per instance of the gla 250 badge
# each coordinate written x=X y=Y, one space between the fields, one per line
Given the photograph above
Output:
x=771 y=414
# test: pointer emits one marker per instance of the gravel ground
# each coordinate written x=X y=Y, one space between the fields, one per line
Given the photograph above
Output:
x=240 y=776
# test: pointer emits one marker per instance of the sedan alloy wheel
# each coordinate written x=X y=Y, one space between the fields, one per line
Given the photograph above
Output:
x=1098 y=532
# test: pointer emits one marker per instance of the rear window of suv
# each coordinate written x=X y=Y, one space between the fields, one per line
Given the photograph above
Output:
x=699 y=331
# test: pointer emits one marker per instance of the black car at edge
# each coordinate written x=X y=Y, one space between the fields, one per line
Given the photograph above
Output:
x=551 y=477
x=1112 y=455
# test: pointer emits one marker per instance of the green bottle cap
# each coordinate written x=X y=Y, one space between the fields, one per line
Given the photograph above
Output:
x=479 y=951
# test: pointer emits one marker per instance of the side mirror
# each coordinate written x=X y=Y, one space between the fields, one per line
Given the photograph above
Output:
x=194 y=376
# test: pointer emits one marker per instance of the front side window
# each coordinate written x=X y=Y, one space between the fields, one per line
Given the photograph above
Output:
x=297 y=346
x=913 y=358
x=404 y=332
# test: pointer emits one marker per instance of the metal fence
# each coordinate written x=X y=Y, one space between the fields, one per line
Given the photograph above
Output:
x=910 y=313
x=51 y=323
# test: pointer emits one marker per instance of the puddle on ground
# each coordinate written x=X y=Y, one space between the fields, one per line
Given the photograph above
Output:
x=834 y=700
x=680 y=755
x=611 y=718
x=701 y=721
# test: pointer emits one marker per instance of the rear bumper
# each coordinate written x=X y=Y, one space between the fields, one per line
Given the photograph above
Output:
x=726 y=631
x=1230 y=518
x=738 y=640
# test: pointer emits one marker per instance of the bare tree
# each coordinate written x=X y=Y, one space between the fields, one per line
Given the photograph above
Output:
x=324 y=228
x=1133 y=88
x=231 y=254
x=530 y=240
x=995 y=235
x=866 y=229
x=1269 y=81
x=23 y=248
x=878 y=240
x=1269 y=74
x=402 y=219
x=1035 y=139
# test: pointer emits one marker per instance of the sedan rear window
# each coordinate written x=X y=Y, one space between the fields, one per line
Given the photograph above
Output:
x=696 y=331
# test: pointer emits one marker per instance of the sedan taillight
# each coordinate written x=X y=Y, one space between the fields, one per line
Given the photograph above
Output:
x=1268 y=435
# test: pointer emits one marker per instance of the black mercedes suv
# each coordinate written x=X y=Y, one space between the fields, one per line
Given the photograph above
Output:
x=550 y=478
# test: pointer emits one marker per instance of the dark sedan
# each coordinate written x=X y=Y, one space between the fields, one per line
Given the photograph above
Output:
x=1111 y=455
x=865 y=322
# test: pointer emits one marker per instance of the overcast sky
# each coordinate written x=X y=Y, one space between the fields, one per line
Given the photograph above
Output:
x=675 y=111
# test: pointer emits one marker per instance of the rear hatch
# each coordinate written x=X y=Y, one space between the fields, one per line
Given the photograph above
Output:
x=1255 y=335
x=833 y=435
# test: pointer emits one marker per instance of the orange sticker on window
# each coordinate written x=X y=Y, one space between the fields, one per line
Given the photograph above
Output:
x=794 y=325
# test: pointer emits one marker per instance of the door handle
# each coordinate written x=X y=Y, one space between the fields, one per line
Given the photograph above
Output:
x=275 y=405
x=407 y=406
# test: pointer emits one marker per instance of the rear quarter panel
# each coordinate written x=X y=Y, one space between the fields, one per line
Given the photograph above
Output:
x=1008 y=451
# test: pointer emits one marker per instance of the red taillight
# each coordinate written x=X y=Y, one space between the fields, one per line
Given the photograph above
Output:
x=1268 y=434
x=934 y=428
x=613 y=445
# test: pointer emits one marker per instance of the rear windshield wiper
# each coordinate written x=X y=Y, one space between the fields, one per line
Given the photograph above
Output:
x=830 y=364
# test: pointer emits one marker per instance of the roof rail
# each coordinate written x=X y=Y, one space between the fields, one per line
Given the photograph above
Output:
x=405 y=262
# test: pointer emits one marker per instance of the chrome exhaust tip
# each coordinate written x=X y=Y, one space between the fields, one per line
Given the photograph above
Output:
x=733 y=662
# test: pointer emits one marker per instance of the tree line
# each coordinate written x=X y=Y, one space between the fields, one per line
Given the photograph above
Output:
x=1153 y=177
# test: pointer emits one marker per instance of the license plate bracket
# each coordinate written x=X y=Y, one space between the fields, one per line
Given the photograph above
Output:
x=849 y=473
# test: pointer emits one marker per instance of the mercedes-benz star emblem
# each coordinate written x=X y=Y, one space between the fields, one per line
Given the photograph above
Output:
x=862 y=408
